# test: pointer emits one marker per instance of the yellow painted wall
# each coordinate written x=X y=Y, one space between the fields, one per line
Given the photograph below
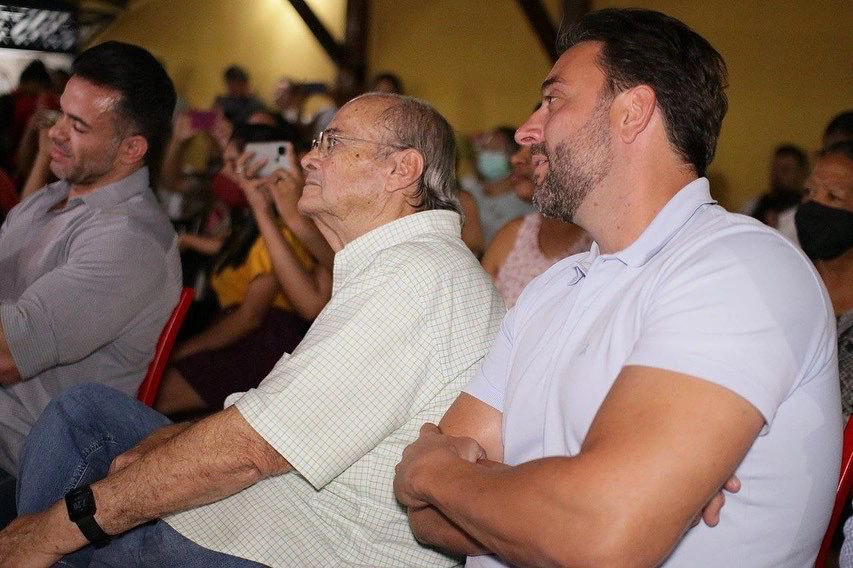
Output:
x=790 y=64
x=478 y=61
x=197 y=39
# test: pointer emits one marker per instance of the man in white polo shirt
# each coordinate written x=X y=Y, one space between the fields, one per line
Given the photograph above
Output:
x=629 y=383
x=299 y=471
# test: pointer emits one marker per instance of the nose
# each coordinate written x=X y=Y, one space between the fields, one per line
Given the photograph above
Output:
x=309 y=160
x=57 y=132
x=531 y=131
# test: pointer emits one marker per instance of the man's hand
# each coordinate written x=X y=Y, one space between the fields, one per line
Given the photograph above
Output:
x=25 y=543
x=711 y=513
x=430 y=450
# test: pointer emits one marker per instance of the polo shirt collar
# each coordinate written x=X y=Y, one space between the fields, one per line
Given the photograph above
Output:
x=357 y=254
x=674 y=215
x=118 y=191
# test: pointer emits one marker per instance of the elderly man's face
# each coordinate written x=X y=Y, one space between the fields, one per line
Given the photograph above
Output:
x=343 y=177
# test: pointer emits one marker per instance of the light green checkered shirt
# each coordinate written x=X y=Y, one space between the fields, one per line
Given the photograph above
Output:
x=411 y=316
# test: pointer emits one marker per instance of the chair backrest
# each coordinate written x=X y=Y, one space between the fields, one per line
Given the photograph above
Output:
x=845 y=482
x=147 y=393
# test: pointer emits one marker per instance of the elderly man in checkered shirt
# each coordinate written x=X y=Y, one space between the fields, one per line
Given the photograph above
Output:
x=299 y=471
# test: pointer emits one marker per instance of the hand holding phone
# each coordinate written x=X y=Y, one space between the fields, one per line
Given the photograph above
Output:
x=277 y=154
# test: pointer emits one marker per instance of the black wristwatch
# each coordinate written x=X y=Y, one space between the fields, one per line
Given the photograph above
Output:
x=81 y=510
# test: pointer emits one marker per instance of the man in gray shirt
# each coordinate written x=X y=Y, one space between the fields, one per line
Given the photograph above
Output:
x=89 y=269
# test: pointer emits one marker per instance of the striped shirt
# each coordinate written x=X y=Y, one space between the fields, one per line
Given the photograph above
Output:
x=410 y=318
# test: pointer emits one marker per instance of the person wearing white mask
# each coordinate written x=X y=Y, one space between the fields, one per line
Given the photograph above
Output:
x=492 y=186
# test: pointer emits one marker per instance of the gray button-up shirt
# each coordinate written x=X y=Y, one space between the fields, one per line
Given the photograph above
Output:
x=85 y=290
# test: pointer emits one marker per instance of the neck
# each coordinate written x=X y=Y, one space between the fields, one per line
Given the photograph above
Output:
x=339 y=232
x=837 y=273
x=618 y=210
x=82 y=189
x=498 y=187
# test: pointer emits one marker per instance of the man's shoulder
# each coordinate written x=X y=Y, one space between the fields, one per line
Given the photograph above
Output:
x=731 y=239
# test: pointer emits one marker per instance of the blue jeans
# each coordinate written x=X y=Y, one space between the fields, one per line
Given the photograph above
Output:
x=72 y=444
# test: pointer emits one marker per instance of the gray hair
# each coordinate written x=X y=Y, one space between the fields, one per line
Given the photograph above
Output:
x=413 y=123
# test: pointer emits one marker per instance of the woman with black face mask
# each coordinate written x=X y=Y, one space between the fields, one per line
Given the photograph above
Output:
x=825 y=229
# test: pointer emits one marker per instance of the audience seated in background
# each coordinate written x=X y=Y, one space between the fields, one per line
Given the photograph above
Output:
x=89 y=268
x=299 y=471
x=491 y=185
x=238 y=103
x=629 y=384
x=264 y=312
x=788 y=171
x=17 y=108
x=825 y=229
x=526 y=247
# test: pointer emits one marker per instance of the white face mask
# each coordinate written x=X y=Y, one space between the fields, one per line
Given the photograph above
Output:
x=492 y=165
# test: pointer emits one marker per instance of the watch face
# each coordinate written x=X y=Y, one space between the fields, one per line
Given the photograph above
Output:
x=81 y=503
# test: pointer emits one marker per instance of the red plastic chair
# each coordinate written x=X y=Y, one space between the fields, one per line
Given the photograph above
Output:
x=147 y=393
x=845 y=482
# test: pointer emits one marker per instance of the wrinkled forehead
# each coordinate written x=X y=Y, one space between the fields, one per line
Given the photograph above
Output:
x=834 y=169
x=360 y=117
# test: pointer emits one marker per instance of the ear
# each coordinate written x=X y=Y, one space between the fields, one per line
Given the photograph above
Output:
x=407 y=169
x=133 y=149
x=636 y=107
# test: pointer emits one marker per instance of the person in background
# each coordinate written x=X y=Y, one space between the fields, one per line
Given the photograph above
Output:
x=238 y=103
x=839 y=129
x=788 y=171
x=491 y=185
x=265 y=302
x=526 y=247
x=387 y=83
x=16 y=110
x=825 y=229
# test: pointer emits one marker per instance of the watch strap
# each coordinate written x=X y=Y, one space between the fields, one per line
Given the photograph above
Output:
x=87 y=523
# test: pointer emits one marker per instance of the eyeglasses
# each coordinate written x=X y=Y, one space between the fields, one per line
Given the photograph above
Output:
x=325 y=141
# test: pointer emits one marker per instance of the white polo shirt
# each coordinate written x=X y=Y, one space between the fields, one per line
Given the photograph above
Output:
x=705 y=293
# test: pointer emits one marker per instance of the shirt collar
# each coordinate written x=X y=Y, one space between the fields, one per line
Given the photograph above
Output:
x=674 y=215
x=356 y=255
x=118 y=191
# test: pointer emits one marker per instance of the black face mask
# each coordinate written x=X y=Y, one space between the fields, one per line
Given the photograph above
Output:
x=824 y=232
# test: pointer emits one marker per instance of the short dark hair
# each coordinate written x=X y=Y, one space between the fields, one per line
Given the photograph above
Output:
x=841 y=124
x=644 y=47
x=235 y=73
x=795 y=152
x=844 y=148
x=147 y=94
x=35 y=73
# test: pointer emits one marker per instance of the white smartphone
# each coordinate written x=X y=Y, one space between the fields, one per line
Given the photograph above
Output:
x=277 y=154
